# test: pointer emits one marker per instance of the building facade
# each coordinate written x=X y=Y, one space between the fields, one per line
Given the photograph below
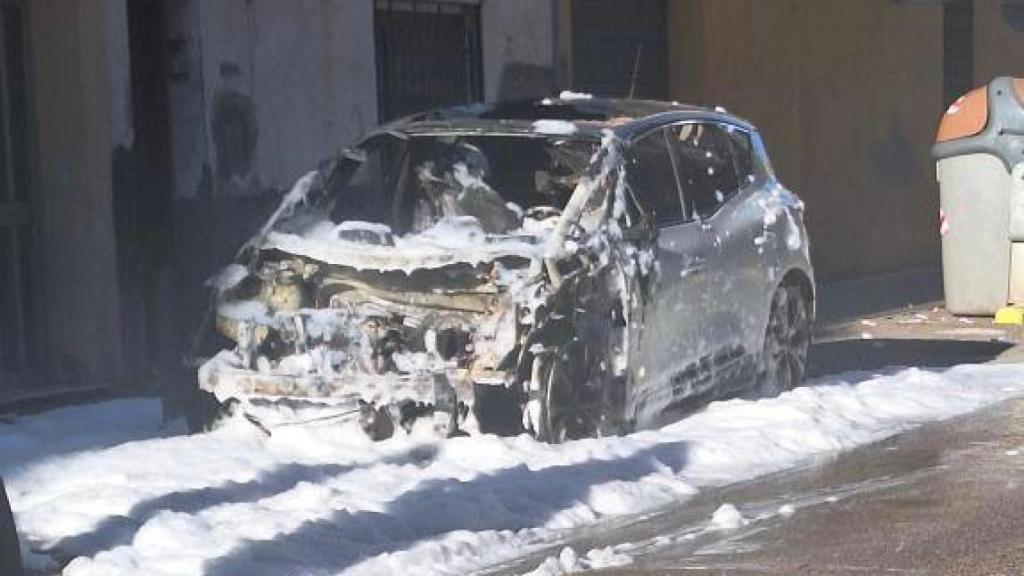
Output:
x=143 y=140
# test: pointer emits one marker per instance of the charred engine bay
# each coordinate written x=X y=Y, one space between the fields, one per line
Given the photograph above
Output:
x=434 y=294
x=408 y=345
x=308 y=305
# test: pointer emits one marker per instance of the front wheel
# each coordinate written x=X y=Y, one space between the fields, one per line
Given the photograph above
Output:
x=786 y=343
x=570 y=409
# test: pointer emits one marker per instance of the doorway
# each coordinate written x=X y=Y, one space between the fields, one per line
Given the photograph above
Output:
x=143 y=197
x=21 y=348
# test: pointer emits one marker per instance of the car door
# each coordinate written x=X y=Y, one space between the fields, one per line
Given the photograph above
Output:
x=716 y=175
x=669 y=346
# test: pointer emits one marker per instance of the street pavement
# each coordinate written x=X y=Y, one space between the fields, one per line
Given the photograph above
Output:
x=944 y=498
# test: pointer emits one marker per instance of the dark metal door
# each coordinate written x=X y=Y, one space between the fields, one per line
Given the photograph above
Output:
x=957 y=49
x=19 y=348
x=428 y=55
x=620 y=47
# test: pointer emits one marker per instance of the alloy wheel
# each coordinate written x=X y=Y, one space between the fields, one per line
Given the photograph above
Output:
x=787 y=341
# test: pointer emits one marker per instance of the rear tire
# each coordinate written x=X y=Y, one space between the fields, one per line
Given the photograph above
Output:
x=786 y=343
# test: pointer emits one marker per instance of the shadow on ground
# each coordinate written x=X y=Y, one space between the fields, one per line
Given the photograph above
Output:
x=119 y=530
x=840 y=356
x=512 y=499
x=60 y=433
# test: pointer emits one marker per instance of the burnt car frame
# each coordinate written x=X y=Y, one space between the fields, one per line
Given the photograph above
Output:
x=566 y=267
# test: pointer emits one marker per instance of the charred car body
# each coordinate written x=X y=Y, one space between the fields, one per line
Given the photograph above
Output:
x=564 y=267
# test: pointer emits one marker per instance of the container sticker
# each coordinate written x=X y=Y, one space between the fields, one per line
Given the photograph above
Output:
x=943 y=222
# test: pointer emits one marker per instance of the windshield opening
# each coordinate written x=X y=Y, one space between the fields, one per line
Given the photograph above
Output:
x=409 y=185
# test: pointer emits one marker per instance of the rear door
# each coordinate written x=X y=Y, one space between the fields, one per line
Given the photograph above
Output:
x=670 y=343
x=715 y=170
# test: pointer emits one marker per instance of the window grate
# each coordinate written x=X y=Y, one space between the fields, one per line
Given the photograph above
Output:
x=428 y=55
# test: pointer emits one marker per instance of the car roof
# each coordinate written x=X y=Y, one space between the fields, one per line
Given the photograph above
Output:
x=590 y=117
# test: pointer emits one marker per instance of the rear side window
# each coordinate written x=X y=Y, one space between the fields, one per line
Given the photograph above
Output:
x=652 y=177
x=710 y=164
x=743 y=155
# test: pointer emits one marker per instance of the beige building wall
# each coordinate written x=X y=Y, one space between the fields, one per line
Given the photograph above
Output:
x=307 y=71
x=302 y=73
x=518 y=48
x=847 y=96
x=303 y=70
x=77 y=124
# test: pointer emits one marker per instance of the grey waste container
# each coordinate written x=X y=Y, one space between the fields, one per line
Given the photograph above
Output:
x=10 y=549
x=979 y=153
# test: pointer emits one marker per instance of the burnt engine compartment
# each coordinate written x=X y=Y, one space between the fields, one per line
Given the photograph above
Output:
x=431 y=343
x=410 y=341
x=437 y=311
x=303 y=328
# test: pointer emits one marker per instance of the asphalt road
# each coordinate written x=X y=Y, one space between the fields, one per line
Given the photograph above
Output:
x=945 y=498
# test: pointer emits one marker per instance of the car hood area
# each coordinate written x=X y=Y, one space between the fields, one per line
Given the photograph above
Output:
x=449 y=292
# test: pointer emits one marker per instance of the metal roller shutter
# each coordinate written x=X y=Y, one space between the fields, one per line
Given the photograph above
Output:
x=612 y=39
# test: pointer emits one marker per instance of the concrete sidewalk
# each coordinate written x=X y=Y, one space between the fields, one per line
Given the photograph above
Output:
x=925 y=336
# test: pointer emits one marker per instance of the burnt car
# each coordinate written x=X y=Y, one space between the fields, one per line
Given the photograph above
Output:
x=567 y=267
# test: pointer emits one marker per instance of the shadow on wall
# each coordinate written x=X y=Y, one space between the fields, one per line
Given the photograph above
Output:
x=866 y=355
x=61 y=432
x=874 y=294
x=524 y=81
x=896 y=160
x=235 y=131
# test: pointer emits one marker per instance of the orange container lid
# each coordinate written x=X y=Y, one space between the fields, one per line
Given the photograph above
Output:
x=969 y=114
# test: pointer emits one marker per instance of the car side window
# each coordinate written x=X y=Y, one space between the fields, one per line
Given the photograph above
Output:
x=743 y=154
x=707 y=163
x=652 y=177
